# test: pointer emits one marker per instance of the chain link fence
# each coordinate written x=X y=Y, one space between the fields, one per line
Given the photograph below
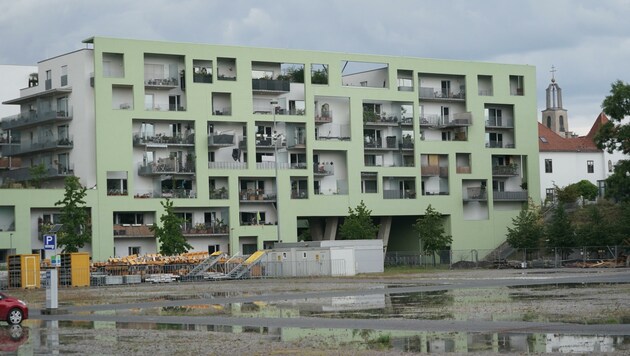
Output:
x=585 y=256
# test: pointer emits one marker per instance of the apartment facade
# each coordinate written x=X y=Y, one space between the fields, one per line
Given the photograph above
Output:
x=256 y=145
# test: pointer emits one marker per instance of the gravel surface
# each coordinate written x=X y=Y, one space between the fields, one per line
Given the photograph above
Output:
x=470 y=295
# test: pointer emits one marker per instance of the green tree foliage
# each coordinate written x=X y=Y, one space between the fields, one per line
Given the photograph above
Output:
x=528 y=228
x=568 y=194
x=75 y=231
x=586 y=189
x=430 y=228
x=319 y=77
x=170 y=235
x=618 y=184
x=358 y=224
x=615 y=136
x=559 y=231
x=599 y=224
x=37 y=174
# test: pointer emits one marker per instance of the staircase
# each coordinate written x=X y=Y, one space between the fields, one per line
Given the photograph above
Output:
x=240 y=270
x=205 y=264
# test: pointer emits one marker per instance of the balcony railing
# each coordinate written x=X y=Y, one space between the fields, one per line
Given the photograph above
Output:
x=272 y=165
x=430 y=171
x=161 y=83
x=323 y=169
x=164 y=166
x=299 y=194
x=253 y=196
x=166 y=193
x=509 y=170
x=475 y=193
x=509 y=196
x=498 y=144
x=324 y=117
x=456 y=120
x=463 y=169
x=133 y=230
x=50 y=172
x=140 y=139
x=12 y=150
x=438 y=94
x=500 y=123
x=205 y=229
x=271 y=85
x=227 y=165
x=220 y=140
x=34 y=118
x=399 y=194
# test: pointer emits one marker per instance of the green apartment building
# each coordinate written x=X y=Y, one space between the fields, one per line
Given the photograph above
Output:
x=255 y=145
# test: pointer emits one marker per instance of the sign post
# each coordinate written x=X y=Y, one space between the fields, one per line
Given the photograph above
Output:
x=50 y=243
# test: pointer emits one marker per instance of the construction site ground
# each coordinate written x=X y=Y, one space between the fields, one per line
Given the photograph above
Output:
x=362 y=315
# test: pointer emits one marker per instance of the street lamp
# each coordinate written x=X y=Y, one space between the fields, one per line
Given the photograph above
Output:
x=275 y=136
x=11 y=240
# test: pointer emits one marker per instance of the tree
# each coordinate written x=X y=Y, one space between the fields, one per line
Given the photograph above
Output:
x=618 y=184
x=528 y=228
x=559 y=231
x=358 y=224
x=615 y=136
x=599 y=224
x=169 y=235
x=37 y=174
x=430 y=228
x=75 y=229
x=568 y=194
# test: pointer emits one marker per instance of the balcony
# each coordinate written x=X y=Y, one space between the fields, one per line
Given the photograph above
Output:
x=374 y=119
x=161 y=83
x=498 y=144
x=434 y=171
x=271 y=85
x=323 y=169
x=463 y=169
x=475 y=194
x=34 y=118
x=165 y=166
x=258 y=195
x=324 y=118
x=163 y=140
x=437 y=120
x=166 y=193
x=437 y=94
x=299 y=194
x=50 y=172
x=506 y=170
x=17 y=150
x=498 y=123
x=509 y=196
x=220 y=140
x=399 y=194
x=272 y=165
x=227 y=165
x=133 y=230
x=205 y=229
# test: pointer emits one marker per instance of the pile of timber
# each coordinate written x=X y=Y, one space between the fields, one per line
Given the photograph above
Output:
x=621 y=261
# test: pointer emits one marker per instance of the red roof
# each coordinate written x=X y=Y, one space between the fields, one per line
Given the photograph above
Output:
x=550 y=141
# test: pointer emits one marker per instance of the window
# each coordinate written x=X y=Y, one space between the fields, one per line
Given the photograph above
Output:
x=561 y=123
x=548 y=122
x=548 y=166
x=64 y=76
x=610 y=166
x=48 y=80
x=590 y=166
x=213 y=248
x=128 y=218
x=549 y=193
x=134 y=250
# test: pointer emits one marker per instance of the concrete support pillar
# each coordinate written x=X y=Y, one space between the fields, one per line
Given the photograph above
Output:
x=331 y=228
x=384 y=230
x=316 y=229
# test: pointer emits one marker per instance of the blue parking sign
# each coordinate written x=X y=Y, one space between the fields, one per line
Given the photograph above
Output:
x=50 y=242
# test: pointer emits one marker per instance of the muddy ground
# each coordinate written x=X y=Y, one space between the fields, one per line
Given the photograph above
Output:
x=473 y=294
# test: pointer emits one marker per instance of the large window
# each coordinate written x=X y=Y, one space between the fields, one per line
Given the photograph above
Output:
x=548 y=166
x=64 y=76
x=590 y=166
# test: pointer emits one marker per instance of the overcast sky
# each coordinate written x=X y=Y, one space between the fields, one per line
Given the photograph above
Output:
x=587 y=41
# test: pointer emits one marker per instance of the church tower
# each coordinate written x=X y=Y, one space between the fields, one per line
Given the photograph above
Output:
x=554 y=116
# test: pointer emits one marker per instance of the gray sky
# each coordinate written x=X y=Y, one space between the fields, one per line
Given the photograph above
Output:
x=587 y=41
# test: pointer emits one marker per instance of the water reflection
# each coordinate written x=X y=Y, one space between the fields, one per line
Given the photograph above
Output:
x=12 y=337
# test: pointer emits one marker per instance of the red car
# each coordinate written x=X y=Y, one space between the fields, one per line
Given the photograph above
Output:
x=12 y=310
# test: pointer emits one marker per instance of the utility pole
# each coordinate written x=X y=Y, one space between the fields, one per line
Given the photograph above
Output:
x=274 y=105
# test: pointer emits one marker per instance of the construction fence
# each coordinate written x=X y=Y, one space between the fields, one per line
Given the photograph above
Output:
x=111 y=275
x=582 y=257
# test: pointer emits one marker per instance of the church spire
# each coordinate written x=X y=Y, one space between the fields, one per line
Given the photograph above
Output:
x=555 y=116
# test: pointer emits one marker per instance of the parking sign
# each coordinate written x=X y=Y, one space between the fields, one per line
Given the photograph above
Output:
x=50 y=242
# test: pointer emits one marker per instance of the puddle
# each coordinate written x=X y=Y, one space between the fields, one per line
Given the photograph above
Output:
x=41 y=337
